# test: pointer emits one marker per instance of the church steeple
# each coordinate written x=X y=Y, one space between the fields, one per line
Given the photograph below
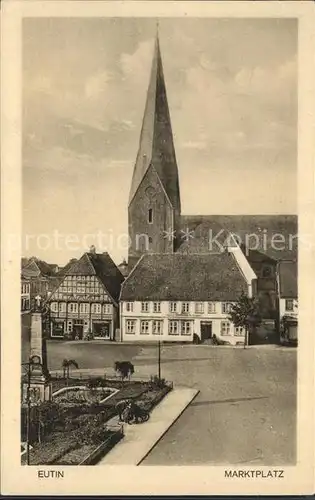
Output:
x=156 y=146
x=154 y=201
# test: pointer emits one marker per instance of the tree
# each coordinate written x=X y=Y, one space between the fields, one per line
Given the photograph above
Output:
x=66 y=364
x=125 y=369
x=245 y=313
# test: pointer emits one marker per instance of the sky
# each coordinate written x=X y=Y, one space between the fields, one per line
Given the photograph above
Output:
x=232 y=93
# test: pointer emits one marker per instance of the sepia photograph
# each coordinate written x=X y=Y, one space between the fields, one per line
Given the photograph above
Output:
x=158 y=272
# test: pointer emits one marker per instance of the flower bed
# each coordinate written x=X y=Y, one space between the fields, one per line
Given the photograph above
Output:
x=76 y=456
x=153 y=397
x=49 y=452
x=83 y=394
x=74 y=431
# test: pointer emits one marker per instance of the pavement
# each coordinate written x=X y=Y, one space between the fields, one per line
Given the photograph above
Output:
x=245 y=411
x=140 y=439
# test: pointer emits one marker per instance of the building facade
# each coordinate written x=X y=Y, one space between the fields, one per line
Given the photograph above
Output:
x=178 y=321
x=85 y=304
x=25 y=295
x=41 y=277
x=183 y=298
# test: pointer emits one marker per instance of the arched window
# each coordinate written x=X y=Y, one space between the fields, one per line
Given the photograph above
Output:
x=150 y=215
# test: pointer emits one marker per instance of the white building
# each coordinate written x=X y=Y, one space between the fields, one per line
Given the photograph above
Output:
x=184 y=297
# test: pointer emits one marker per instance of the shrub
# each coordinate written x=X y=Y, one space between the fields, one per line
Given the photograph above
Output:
x=155 y=381
x=96 y=382
x=91 y=429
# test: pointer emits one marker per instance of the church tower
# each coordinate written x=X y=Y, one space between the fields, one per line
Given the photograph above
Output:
x=154 y=202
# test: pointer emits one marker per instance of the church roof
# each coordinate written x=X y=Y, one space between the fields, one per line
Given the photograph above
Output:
x=102 y=266
x=185 y=277
x=156 y=146
x=253 y=232
x=288 y=280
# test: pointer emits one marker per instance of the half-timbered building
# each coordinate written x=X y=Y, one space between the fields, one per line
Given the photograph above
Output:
x=85 y=303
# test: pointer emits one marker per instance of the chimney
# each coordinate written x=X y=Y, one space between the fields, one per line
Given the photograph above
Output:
x=92 y=249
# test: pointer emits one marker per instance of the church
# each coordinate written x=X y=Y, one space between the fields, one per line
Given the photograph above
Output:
x=163 y=240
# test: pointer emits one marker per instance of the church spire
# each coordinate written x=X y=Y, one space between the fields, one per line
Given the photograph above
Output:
x=156 y=146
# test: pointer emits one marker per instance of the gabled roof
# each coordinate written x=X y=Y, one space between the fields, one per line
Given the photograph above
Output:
x=63 y=270
x=185 y=277
x=288 y=280
x=82 y=267
x=37 y=268
x=257 y=232
x=156 y=144
x=101 y=266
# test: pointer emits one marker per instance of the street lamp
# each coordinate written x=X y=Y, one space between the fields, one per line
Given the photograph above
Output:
x=33 y=361
x=159 y=359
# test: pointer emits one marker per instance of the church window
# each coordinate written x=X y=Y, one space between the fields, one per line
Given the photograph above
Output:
x=150 y=215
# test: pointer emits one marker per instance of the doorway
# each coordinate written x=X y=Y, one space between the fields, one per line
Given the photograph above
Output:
x=78 y=330
x=206 y=330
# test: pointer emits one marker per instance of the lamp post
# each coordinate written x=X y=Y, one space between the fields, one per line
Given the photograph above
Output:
x=159 y=359
x=33 y=361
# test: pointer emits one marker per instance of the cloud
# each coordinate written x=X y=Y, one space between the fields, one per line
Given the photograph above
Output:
x=135 y=66
x=194 y=145
x=97 y=84
x=252 y=108
x=232 y=100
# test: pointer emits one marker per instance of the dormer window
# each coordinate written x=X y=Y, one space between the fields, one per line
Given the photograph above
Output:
x=150 y=216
